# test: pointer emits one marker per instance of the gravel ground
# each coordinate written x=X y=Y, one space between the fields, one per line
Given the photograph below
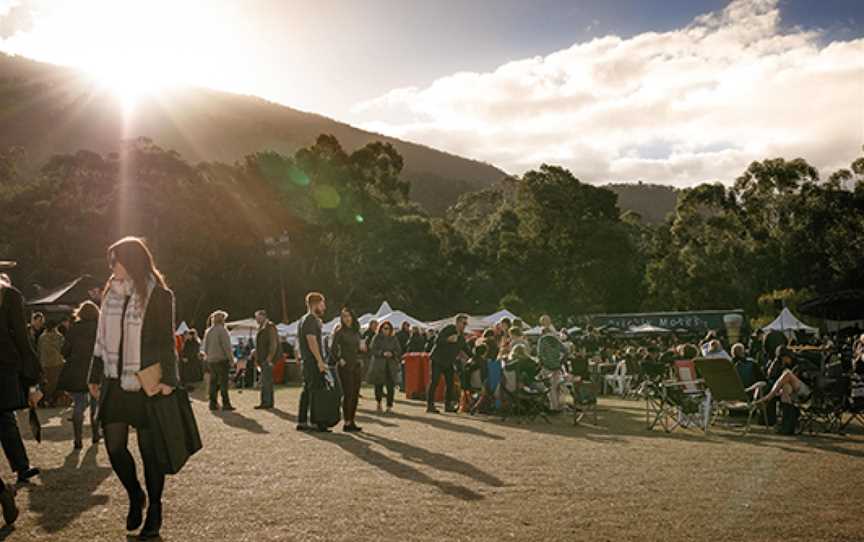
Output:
x=412 y=476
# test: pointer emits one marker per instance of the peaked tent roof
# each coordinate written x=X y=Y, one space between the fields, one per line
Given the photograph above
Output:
x=182 y=328
x=397 y=318
x=384 y=309
x=787 y=321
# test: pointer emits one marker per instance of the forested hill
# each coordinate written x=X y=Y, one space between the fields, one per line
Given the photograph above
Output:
x=48 y=110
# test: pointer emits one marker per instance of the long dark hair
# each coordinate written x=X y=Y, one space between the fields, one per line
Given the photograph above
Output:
x=132 y=253
x=355 y=325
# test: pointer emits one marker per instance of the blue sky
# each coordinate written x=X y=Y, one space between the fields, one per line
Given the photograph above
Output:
x=676 y=91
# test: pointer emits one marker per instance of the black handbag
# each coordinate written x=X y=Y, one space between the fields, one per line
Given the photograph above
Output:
x=326 y=403
x=175 y=430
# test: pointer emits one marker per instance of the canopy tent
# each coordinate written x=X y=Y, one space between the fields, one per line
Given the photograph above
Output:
x=383 y=310
x=475 y=323
x=786 y=323
x=648 y=329
x=242 y=329
x=182 y=328
x=66 y=297
x=846 y=305
x=496 y=317
x=397 y=318
x=287 y=330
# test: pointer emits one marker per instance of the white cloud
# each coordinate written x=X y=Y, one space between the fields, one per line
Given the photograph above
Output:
x=690 y=105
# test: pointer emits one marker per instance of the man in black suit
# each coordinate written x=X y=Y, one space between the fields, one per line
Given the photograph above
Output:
x=450 y=341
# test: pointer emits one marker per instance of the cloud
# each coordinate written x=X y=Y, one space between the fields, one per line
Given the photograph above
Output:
x=681 y=107
x=15 y=16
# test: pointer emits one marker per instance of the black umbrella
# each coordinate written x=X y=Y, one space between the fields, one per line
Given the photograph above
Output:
x=842 y=305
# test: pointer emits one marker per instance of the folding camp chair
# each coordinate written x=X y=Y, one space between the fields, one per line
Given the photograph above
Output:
x=651 y=390
x=854 y=404
x=727 y=391
x=823 y=411
x=522 y=400
x=582 y=391
x=682 y=402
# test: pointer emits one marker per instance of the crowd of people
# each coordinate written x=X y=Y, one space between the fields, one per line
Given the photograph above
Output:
x=94 y=358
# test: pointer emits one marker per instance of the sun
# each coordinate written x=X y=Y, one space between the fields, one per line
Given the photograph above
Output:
x=128 y=53
x=129 y=83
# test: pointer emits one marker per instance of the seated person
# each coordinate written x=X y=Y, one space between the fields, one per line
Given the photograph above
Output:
x=477 y=363
x=747 y=368
x=519 y=358
x=787 y=384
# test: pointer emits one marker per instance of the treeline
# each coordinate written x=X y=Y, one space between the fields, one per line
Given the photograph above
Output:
x=543 y=242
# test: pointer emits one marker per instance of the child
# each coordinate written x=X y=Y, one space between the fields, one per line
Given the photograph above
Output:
x=475 y=365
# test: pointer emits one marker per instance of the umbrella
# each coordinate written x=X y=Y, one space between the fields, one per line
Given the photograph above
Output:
x=842 y=305
x=648 y=329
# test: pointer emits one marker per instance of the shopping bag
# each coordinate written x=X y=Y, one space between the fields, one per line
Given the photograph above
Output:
x=175 y=430
x=326 y=402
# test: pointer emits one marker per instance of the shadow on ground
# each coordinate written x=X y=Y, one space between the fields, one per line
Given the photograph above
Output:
x=68 y=491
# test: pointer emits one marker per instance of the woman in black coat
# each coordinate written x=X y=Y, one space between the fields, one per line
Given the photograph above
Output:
x=77 y=355
x=135 y=332
x=20 y=373
x=191 y=368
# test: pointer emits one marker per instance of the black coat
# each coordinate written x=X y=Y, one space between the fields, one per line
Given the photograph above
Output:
x=157 y=339
x=78 y=353
x=19 y=365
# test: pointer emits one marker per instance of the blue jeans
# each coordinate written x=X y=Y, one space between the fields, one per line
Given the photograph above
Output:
x=267 y=384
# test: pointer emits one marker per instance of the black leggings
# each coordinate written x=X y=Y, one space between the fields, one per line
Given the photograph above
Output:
x=116 y=440
x=391 y=389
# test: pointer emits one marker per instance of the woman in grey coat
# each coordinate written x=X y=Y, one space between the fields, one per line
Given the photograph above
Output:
x=384 y=368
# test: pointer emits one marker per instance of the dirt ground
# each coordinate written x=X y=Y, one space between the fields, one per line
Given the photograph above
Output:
x=412 y=476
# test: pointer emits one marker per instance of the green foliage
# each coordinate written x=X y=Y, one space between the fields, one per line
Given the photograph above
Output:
x=540 y=243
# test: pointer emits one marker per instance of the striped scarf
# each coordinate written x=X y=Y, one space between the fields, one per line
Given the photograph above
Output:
x=113 y=325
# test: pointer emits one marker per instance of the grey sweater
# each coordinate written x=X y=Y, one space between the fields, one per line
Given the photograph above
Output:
x=217 y=345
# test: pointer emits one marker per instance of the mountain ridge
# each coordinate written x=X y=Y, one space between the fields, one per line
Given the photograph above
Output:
x=48 y=109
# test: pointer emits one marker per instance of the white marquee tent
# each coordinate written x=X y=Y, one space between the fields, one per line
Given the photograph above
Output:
x=786 y=323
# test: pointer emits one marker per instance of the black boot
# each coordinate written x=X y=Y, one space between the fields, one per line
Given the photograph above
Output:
x=137 y=501
x=153 y=524
x=7 y=501
x=78 y=430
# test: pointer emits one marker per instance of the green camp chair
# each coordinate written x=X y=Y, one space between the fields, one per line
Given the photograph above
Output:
x=727 y=392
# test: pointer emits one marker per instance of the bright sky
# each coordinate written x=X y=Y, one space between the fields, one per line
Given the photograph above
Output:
x=672 y=91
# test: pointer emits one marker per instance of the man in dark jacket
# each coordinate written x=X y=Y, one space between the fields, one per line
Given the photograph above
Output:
x=450 y=341
x=403 y=336
x=417 y=342
x=20 y=375
x=268 y=349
